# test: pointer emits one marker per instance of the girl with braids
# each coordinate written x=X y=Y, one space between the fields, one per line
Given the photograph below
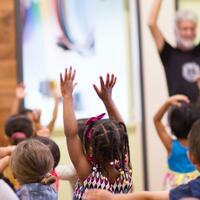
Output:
x=101 y=162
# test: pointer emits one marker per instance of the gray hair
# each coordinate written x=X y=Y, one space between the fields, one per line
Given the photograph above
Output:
x=186 y=15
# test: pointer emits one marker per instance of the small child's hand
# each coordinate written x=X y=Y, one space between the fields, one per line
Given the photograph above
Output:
x=177 y=99
x=98 y=195
x=20 y=91
x=105 y=91
x=66 y=84
x=36 y=115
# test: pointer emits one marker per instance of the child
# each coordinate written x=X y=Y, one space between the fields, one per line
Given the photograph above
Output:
x=32 y=164
x=35 y=114
x=189 y=190
x=105 y=143
x=181 y=118
x=53 y=147
x=17 y=128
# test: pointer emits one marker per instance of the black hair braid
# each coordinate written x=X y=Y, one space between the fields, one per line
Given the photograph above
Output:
x=109 y=142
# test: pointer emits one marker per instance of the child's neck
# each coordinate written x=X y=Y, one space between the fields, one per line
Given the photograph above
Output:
x=184 y=142
x=111 y=173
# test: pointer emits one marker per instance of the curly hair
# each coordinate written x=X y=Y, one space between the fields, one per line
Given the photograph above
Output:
x=182 y=118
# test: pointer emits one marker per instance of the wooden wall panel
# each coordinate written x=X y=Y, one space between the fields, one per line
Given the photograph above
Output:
x=8 y=61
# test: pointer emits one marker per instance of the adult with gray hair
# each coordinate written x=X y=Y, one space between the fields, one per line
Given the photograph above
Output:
x=181 y=63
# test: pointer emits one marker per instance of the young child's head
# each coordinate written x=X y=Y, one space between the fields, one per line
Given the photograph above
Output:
x=182 y=118
x=194 y=144
x=53 y=148
x=32 y=162
x=18 y=128
x=107 y=141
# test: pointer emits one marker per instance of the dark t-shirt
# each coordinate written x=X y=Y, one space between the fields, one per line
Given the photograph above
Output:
x=181 y=69
x=192 y=189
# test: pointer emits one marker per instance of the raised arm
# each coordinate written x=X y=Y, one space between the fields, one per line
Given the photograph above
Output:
x=19 y=96
x=4 y=162
x=160 y=127
x=74 y=145
x=5 y=151
x=103 y=194
x=105 y=94
x=51 y=124
x=152 y=23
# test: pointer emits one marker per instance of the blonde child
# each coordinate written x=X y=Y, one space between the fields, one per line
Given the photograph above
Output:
x=100 y=161
x=32 y=163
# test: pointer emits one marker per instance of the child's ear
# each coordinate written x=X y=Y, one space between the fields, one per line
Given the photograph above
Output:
x=192 y=158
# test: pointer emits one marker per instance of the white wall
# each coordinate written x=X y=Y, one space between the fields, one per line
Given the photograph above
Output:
x=155 y=88
x=42 y=59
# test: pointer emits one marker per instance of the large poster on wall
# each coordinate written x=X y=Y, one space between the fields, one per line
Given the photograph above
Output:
x=87 y=35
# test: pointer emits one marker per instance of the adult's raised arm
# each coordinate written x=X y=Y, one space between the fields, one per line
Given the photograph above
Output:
x=153 y=24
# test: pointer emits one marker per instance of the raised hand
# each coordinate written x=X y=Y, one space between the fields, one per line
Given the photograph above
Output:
x=36 y=115
x=20 y=91
x=67 y=82
x=177 y=99
x=105 y=90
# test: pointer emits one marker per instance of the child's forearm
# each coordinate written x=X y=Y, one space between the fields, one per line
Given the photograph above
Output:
x=15 y=106
x=163 y=109
x=112 y=110
x=4 y=162
x=4 y=151
x=143 y=196
x=70 y=124
x=54 y=116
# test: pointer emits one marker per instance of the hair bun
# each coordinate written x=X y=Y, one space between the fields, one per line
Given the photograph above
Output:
x=48 y=179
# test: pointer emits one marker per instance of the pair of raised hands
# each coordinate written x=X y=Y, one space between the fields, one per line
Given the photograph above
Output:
x=104 y=92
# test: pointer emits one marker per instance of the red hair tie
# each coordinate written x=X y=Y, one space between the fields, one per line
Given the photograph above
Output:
x=18 y=135
x=90 y=121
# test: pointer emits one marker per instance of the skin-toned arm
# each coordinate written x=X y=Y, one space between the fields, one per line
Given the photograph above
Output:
x=51 y=124
x=103 y=194
x=74 y=144
x=19 y=96
x=4 y=162
x=5 y=151
x=160 y=127
x=105 y=94
x=152 y=23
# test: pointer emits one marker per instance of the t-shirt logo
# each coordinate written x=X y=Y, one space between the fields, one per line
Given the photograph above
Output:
x=190 y=71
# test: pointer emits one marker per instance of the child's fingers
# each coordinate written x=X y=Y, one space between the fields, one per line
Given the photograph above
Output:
x=113 y=80
x=96 y=89
x=73 y=74
x=102 y=82
x=70 y=73
x=66 y=74
x=107 y=79
x=75 y=84
x=61 y=79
